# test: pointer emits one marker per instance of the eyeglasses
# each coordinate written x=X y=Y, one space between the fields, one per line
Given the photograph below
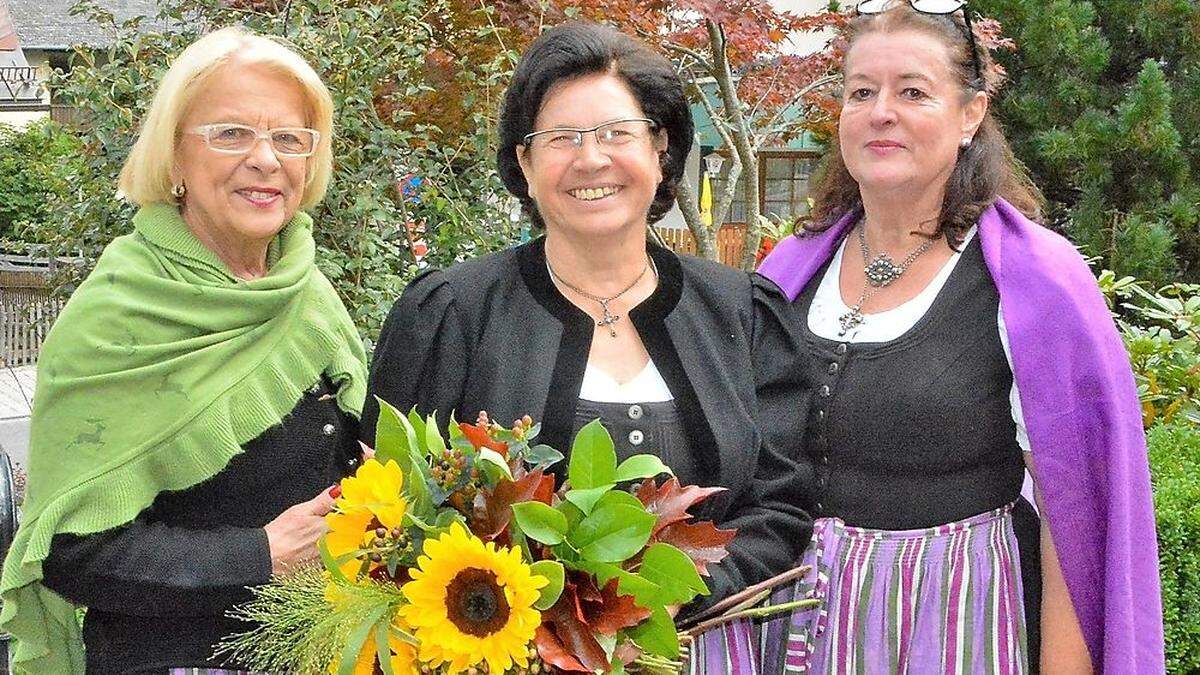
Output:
x=238 y=139
x=938 y=7
x=612 y=134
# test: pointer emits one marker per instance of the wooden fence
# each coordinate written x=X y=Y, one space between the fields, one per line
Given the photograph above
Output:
x=28 y=307
x=730 y=241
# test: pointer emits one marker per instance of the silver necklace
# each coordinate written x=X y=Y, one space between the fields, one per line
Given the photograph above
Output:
x=880 y=271
x=608 y=317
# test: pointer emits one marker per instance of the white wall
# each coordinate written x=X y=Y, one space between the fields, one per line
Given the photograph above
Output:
x=40 y=60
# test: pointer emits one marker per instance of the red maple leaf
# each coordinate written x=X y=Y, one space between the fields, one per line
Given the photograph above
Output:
x=703 y=542
x=480 y=436
x=670 y=502
x=565 y=640
x=493 y=508
x=615 y=611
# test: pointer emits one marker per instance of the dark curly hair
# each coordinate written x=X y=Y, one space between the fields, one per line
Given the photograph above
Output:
x=575 y=49
x=985 y=170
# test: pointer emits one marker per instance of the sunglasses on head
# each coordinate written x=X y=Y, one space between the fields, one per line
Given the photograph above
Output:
x=938 y=7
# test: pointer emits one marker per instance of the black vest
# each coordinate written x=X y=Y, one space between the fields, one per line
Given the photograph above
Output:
x=917 y=431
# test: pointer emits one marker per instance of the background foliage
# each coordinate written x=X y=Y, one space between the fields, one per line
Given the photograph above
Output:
x=380 y=60
x=31 y=177
x=1103 y=106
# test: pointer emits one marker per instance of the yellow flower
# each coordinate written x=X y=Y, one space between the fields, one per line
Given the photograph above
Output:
x=373 y=497
x=471 y=602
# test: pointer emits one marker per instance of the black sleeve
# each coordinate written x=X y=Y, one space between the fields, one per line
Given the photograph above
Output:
x=421 y=356
x=773 y=529
x=153 y=569
x=773 y=525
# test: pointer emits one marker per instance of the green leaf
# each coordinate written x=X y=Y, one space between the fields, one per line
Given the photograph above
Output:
x=418 y=424
x=331 y=564
x=646 y=593
x=540 y=522
x=572 y=512
x=641 y=466
x=356 y=639
x=613 y=533
x=434 y=444
x=657 y=634
x=554 y=573
x=383 y=648
x=494 y=459
x=394 y=438
x=593 y=459
x=420 y=501
x=586 y=499
x=542 y=456
x=620 y=497
x=674 y=571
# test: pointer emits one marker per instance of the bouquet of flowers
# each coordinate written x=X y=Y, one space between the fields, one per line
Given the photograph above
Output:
x=462 y=554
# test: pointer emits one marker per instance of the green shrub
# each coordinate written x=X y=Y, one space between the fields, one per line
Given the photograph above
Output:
x=1161 y=331
x=1175 y=470
x=32 y=160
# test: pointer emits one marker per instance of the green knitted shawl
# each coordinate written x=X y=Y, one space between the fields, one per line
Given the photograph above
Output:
x=158 y=370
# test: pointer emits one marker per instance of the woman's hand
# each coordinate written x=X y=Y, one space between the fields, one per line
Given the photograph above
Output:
x=294 y=533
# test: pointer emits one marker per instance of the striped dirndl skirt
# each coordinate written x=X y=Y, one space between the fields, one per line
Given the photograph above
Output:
x=945 y=600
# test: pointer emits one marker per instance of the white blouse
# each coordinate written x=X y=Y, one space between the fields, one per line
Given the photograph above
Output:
x=647 y=386
x=828 y=305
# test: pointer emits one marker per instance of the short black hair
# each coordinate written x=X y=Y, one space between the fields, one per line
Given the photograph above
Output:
x=578 y=48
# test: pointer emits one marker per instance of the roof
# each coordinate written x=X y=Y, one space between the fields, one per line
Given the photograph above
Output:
x=8 y=35
x=48 y=24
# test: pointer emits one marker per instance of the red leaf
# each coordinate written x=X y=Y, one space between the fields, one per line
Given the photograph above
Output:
x=480 y=436
x=493 y=509
x=702 y=542
x=671 y=502
x=616 y=611
x=576 y=637
x=552 y=651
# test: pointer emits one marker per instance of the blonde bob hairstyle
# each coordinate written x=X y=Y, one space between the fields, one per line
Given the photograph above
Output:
x=146 y=176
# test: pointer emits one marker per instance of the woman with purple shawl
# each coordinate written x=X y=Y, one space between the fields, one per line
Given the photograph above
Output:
x=924 y=342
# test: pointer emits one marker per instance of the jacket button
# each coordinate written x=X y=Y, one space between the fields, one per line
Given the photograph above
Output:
x=635 y=412
x=352 y=462
x=825 y=391
x=315 y=388
x=636 y=437
x=328 y=429
x=820 y=415
x=833 y=367
x=841 y=348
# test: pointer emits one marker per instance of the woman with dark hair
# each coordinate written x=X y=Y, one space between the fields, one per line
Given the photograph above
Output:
x=923 y=342
x=591 y=320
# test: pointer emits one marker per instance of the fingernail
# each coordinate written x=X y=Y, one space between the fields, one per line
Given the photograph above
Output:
x=335 y=491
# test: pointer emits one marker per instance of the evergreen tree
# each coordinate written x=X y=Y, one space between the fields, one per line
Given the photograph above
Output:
x=1103 y=106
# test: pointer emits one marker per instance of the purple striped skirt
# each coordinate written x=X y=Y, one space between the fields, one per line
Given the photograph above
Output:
x=944 y=600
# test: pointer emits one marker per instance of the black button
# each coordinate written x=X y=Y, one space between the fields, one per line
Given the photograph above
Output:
x=825 y=390
x=841 y=348
x=833 y=367
x=820 y=414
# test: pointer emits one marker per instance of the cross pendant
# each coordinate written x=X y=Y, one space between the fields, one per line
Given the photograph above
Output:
x=850 y=320
x=608 y=320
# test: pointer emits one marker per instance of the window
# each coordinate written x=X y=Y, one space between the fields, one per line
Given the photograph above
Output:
x=783 y=186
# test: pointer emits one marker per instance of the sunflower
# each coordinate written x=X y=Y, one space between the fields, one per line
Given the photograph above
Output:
x=372 y=498
x=471 y=602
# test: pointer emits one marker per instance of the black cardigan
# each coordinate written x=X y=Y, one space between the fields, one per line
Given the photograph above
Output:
x=495 y=334
x=157 y=589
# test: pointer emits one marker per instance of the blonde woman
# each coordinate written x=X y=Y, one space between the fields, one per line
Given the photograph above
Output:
x=163 y=480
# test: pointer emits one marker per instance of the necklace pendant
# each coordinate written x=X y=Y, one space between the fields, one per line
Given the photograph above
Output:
x=608 y=320
x=850 y=320
x=882 y=270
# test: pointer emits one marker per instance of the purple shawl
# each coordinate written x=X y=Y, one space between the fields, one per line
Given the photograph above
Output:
x=1085 y=425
